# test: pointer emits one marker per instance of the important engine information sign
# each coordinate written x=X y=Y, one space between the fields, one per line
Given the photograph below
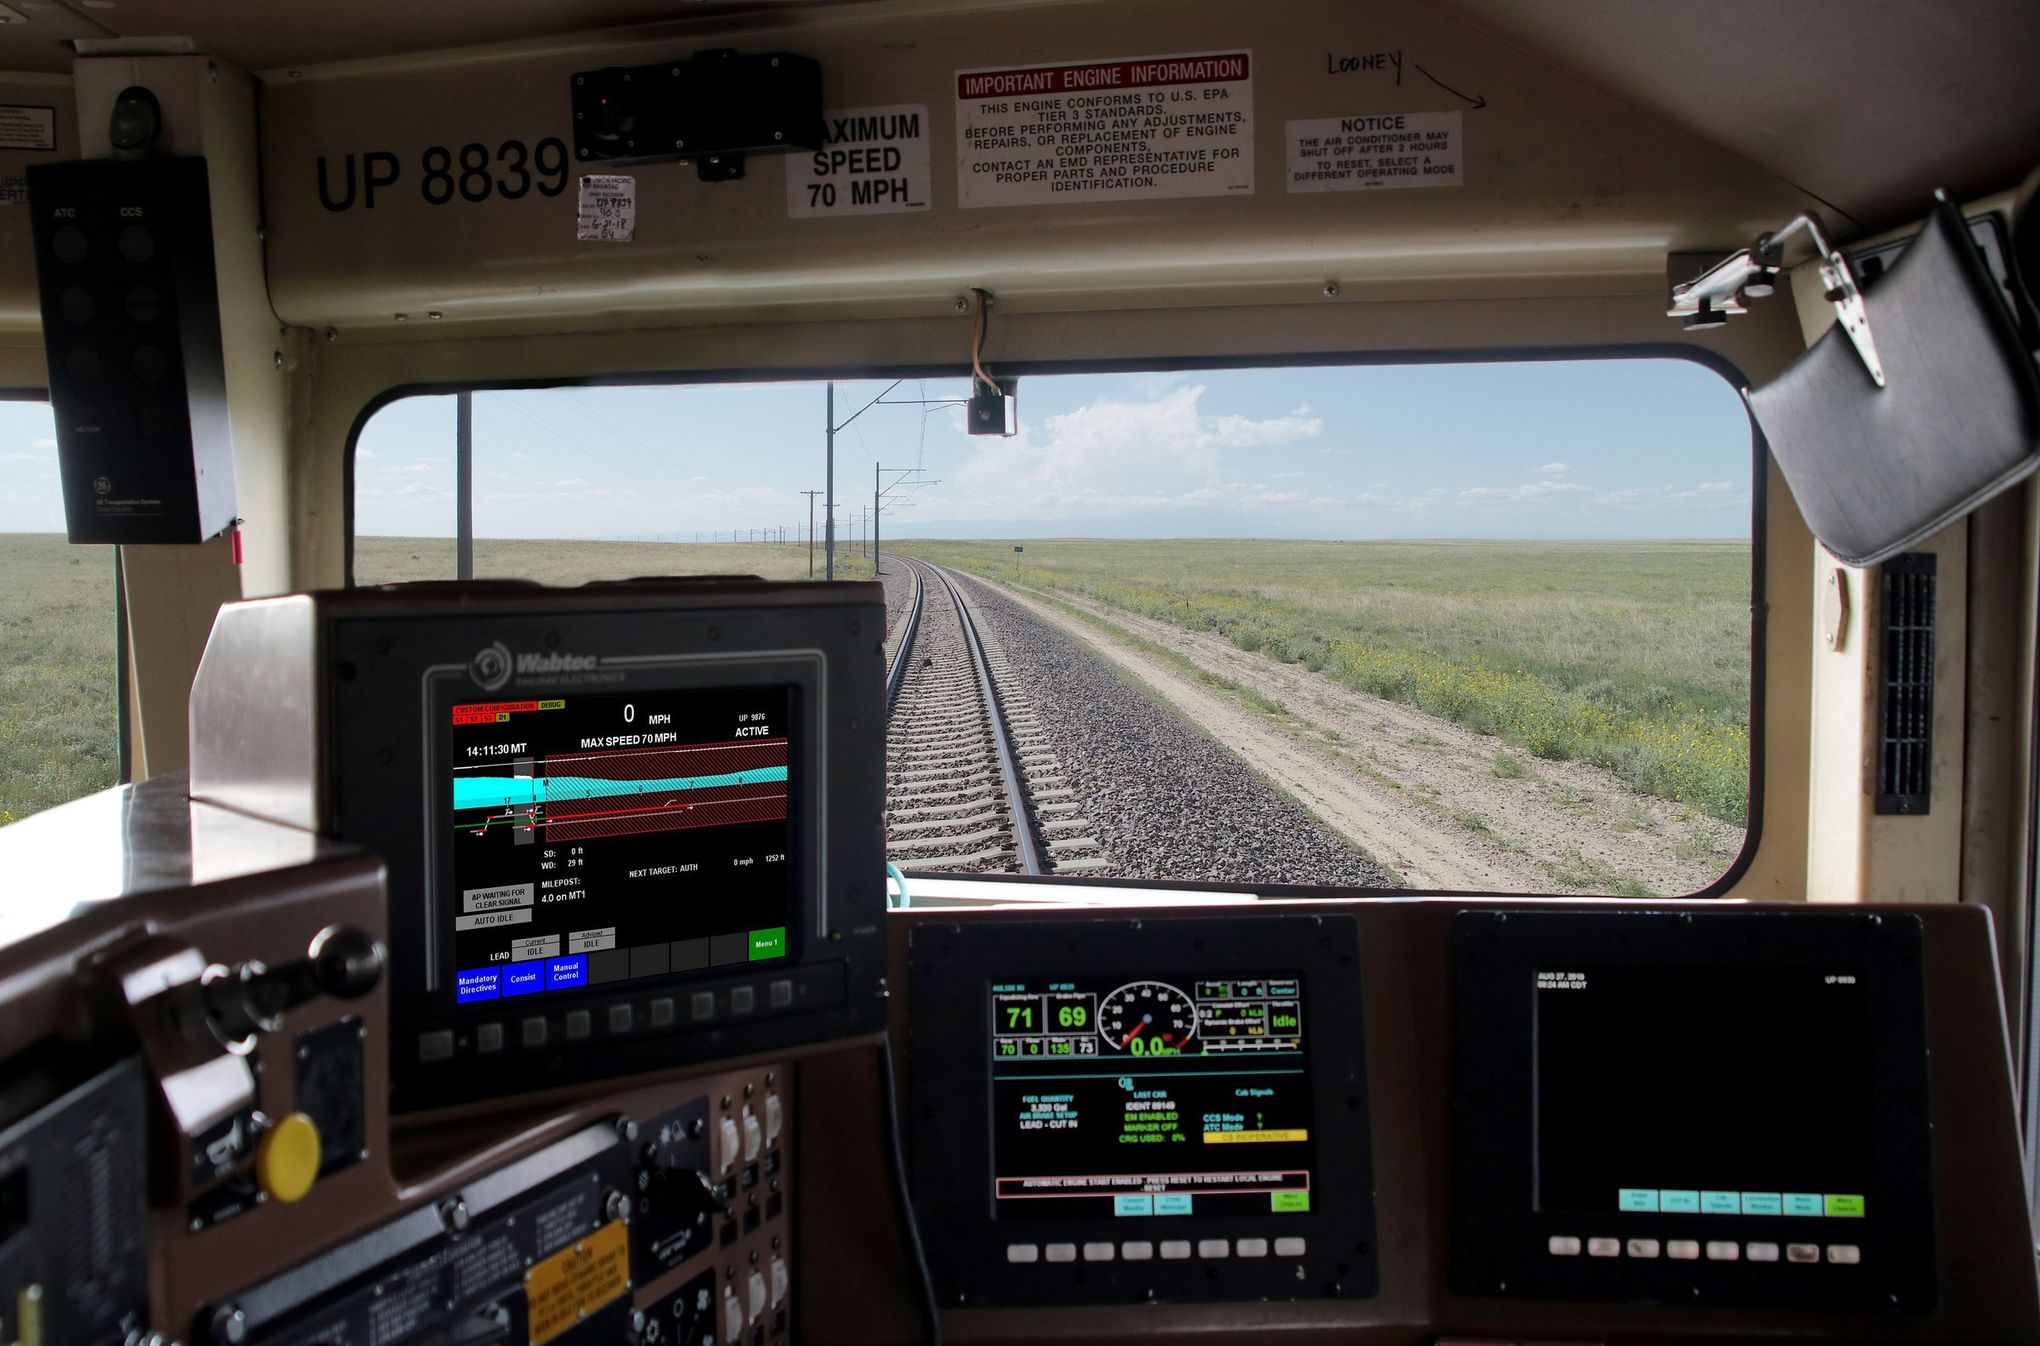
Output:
x=872 y=161
x=1395 y=149
x=1142 y=129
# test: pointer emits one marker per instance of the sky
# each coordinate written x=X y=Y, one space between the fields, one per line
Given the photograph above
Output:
x=1582 y=449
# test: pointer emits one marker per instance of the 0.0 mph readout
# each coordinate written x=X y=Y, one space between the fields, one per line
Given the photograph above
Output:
x=1147 y=1018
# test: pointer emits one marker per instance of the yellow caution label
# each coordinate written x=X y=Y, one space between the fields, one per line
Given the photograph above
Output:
x=1253 y=1137
x=576 y=1281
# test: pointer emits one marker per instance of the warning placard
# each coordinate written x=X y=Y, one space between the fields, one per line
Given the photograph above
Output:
x=1138 y=129
x=1396 y=149
x=873 y=161
x=577 y=1280
x=28 y=128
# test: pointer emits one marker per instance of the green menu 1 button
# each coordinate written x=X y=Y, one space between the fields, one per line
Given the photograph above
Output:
x=768 y=943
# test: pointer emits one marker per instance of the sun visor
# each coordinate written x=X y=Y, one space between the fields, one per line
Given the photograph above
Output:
x=1956 y=420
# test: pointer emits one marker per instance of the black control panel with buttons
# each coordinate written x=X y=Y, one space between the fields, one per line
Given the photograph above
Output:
x=131 y=332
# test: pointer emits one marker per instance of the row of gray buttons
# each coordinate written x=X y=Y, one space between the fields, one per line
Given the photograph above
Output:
x=1143 y=1250
x=578 y=1025
x=1688 y=1250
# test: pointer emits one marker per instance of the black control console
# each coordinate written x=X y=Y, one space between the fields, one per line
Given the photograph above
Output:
x=1693 y=1108
x=627 y=826
x=1114 y=1111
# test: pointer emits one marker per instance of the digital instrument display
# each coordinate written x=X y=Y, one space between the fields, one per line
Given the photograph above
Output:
x=1662 y=1089
x=1723 y=1106
x=1132 y=1096
x=616 y=836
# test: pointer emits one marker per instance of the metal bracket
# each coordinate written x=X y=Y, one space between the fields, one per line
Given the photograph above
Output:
x=1753 y=272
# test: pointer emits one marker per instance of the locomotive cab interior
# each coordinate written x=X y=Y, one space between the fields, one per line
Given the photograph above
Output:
x=749 y=672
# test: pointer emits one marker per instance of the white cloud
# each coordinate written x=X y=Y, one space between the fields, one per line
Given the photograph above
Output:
x=1554 y=469
x=1121 y=456
x=361 y=455
x=42 y=442
x=22 y=458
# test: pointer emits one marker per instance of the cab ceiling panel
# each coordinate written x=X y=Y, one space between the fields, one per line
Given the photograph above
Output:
x=263 y=35
x=1559 y=181
x=1868 y=105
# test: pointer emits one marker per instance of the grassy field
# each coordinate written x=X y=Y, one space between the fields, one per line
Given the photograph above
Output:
x=383 y=560
x=59 y=732
x=1631 y=655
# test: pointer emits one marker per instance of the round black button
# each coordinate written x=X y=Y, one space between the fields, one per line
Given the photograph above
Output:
x=137 y=244
x=149 y=363
x=70 y=244
x=76 y=305
x=144 y=304
x=82 y=364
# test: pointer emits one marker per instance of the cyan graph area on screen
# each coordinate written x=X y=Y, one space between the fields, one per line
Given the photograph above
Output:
x=495 y=792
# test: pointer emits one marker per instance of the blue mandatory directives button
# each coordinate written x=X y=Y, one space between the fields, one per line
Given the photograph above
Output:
x=1133 y=1205
x=481 y=984
x=1761 y=1203
x=1637 y=1198
x=523 y=978
x=1682 y=1203
x=1172 y=1203
x=1802 y=1203
x=1721 y=1203
x=564 y=972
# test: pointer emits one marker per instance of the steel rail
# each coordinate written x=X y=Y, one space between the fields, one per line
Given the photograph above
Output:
x=897 y=674
x=1027 y=849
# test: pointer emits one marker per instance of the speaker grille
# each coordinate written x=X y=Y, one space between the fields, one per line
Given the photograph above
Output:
x=1905 y=723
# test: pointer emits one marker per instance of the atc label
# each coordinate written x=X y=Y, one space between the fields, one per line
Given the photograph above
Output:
x=873 y=161
x=1141 y=129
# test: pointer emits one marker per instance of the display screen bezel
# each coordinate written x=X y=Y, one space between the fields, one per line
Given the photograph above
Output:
x=798 y=672
x=950 y=1082
x=1501 y=1239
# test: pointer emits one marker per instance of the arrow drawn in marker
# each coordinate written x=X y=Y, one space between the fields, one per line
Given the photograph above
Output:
x=1477 y=100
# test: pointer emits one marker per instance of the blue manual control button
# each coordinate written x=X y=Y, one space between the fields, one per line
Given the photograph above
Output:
x=561 y=973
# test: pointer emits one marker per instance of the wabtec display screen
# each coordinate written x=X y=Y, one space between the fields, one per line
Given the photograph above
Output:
x=615 y=836
x=1123 y=1097
x=1662 y=1089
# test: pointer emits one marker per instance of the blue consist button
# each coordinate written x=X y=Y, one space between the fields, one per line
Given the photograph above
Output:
x=1721 y=1203
x=1637 y=1198
x=524 y=978
x=1143 y=1204
x=1683 y=1203
x=1761 y=1203
x=480 y=984
x=1172 y=1203
x=1803 y=1203
x=561 y=973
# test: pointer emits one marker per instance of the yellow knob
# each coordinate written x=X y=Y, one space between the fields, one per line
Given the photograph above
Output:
x=287 y=1157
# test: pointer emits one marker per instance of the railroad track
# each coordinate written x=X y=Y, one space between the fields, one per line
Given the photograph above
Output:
x=971 y=783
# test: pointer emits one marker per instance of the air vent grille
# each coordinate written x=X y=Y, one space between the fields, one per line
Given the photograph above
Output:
x=1905 y=724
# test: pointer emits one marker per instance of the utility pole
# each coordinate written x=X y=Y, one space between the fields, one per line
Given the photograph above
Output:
x=810 y=531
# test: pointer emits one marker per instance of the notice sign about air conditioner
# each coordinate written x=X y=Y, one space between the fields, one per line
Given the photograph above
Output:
x=1138 y=129
x=1394 y=149
x=872 y=161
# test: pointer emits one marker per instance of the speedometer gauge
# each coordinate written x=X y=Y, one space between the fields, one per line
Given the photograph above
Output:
x=1147 y=1018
